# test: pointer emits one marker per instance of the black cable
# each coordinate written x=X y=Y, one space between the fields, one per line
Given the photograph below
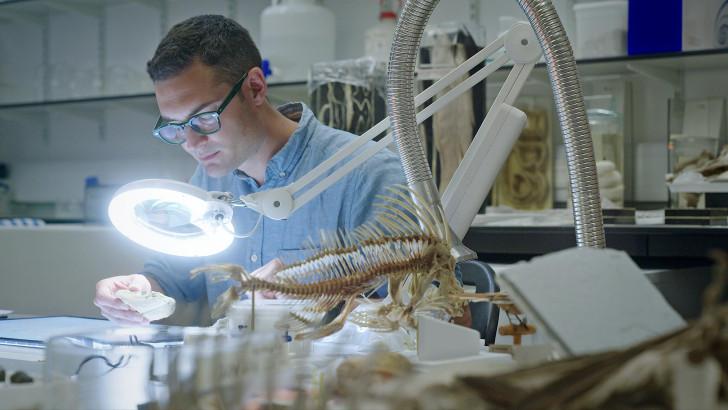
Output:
x=112 y=366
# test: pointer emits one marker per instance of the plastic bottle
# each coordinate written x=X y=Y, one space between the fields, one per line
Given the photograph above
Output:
x=378 y=39
x=295 y=34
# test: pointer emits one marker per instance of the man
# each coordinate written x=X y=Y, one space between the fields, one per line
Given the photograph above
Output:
x=212 y=97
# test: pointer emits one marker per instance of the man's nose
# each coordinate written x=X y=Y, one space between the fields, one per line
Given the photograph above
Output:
x=192 y=137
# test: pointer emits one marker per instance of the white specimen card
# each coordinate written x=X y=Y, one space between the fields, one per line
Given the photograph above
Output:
x=589 y=300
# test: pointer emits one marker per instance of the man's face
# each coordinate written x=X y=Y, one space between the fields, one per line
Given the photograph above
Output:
x=196 y=90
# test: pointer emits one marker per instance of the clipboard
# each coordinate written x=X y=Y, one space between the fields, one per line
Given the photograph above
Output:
x=34 y=332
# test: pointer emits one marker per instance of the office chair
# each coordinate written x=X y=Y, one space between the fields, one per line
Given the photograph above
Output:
x=484 y=315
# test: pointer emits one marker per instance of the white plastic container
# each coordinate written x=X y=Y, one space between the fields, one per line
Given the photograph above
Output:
x=601 y=29
x=378 y=39
x=705 y=24
x=295 y=34
x=268 y=314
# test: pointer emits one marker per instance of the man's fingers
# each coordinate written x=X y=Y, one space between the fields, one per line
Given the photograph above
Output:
x=139 y=283
x=269 y=270
x=276 y=263
x=265 y=294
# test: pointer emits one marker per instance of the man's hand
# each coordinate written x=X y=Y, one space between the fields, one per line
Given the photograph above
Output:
x=112 y=307
x=267 y=272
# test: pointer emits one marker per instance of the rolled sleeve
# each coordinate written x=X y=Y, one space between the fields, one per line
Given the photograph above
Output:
x=173 y=276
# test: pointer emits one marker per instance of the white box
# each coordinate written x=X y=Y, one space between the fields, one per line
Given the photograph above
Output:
x=705 y=24
x=705 y=118
x=601 y=29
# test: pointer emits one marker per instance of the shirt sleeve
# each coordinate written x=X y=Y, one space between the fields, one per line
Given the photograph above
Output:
x=173 y=275
x=376 y=175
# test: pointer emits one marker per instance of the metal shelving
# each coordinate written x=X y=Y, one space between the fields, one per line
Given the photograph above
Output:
x=657 y=64
x=288 y=90
x=667 y=66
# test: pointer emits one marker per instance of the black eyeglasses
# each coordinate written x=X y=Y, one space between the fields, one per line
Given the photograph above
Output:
x=202 y=123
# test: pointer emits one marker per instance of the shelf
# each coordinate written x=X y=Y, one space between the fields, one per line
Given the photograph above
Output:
x=27 y=9
x=654 y=246
x=689 y=60
x=698 y=187
x=78 y=101
x=287 y=91
x=296 y=90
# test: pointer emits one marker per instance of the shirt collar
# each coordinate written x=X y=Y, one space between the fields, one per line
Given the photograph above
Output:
x=286 y=159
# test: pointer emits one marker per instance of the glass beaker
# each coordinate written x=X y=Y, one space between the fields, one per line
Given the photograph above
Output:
x=607 y=136
x=113 y=369
x=687 y=150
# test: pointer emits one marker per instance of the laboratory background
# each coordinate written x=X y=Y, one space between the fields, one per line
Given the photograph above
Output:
x=77 y=107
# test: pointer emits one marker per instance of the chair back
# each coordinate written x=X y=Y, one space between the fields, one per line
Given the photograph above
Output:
x=484 y=314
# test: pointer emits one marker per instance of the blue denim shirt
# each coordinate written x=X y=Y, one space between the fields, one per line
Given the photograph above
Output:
x=344 y=205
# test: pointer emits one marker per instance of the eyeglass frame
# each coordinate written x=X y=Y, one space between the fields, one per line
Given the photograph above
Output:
x=159 y=125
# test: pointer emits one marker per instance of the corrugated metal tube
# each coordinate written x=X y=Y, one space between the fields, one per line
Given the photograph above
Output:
x=567 y=94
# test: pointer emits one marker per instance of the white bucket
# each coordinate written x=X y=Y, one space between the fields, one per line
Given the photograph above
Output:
x=295 y=34
x=601 y=29
x=269 y=314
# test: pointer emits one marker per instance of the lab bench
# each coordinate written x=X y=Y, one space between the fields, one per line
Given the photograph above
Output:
x=674 y=258
x=651 y=247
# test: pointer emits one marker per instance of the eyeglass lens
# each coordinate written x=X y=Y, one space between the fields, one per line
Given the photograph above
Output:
x=203 y=123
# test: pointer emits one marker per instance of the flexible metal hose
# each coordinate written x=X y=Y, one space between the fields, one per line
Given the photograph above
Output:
x=400 y=87
x=567 y=94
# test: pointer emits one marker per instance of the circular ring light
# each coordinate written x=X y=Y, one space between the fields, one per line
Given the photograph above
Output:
x=172 y=217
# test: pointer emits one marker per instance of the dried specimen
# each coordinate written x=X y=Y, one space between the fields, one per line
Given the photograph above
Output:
x=651 y=374
x=377 y=367
x=407 y=253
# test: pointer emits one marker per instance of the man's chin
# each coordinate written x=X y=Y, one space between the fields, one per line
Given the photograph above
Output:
x=215 y=171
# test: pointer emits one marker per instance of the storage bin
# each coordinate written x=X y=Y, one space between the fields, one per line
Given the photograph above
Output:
x=601 y=29
x=652 y=29
x=295 y=34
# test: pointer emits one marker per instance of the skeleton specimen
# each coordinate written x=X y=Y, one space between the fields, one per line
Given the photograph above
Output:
x=525 y=180
x=705 y=164
x=409 y=254
x=684 y=369
x=452 y=126
x=348 y=94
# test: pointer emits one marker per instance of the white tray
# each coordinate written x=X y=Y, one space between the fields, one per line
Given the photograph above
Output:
x=713 y=187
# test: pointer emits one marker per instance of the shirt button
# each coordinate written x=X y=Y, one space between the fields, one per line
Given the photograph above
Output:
x=282 y=174
x=254 y=258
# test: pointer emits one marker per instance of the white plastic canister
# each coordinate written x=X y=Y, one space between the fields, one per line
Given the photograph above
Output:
x=601 y=29
x=295 y=34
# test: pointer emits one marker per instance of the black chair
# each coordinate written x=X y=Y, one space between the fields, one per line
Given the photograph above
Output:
x=484 y=315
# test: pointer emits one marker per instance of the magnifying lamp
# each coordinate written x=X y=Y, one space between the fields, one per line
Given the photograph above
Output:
x=173 y=217
x=202 y=226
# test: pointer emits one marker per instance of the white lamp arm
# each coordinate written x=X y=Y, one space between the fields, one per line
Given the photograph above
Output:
x=519 y=44
x=494 y=140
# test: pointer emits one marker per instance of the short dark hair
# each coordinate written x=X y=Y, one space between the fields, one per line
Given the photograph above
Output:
x=215 y=40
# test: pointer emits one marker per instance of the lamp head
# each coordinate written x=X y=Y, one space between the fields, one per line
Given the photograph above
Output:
x=172 y=217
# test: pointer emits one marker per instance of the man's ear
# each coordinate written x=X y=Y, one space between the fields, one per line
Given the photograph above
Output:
x=257 y=86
